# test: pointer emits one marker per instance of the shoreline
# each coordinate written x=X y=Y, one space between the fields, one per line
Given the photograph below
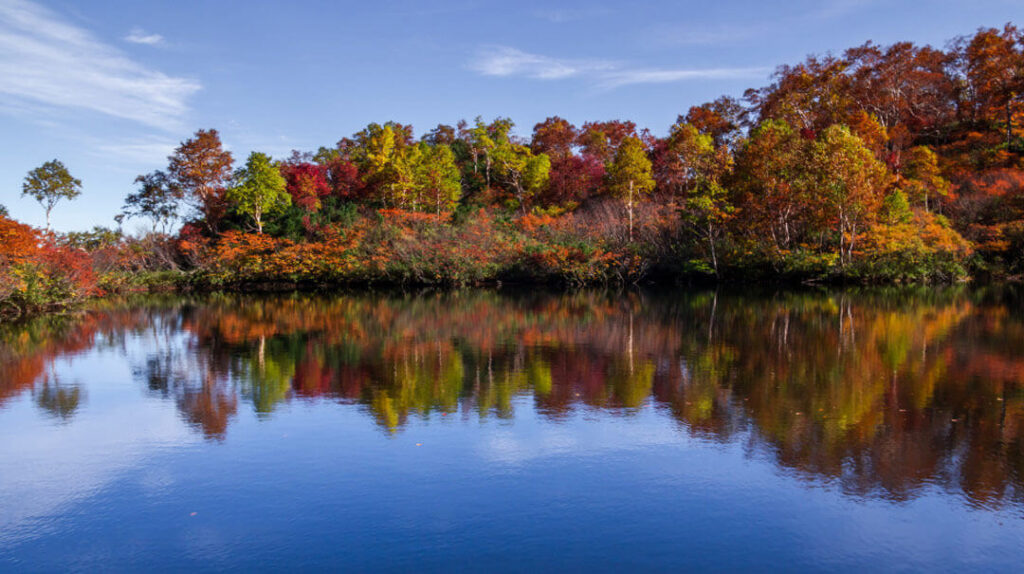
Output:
x=182 y=285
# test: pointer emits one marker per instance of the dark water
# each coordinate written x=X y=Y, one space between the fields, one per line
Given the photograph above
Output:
x=484 y=431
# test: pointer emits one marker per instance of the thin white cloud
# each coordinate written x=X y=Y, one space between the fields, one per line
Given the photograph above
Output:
x=47 y=61
x=632 y=77
x=503 y=61
x=562 y=16
x=140 y=36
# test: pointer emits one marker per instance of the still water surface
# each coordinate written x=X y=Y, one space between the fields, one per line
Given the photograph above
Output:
x=496 y=431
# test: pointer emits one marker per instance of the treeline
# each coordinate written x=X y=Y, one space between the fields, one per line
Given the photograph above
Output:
x=884 y=163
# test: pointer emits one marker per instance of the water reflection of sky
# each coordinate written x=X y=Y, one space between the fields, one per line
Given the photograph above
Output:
x=320 y=480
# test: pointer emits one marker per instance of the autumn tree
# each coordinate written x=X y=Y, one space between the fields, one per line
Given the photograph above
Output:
x=683 y=159
x=904 y=87
x=697 y=169
x=876 y=138
x=158 y=198
x=629 y=175
x=436 y=177
x=443 y=134
x=573 y=180
x=847 y=184
x=809 y=96
x=201 y=169
x=307 y=183
x=554 y=137
x=895 y=208
x=49 y=184
x=995 y=69
x=922 y=180
x=523 y=172
x=888 y=95
x=344 y=178
x=602 y=139
x=382 y=154
x=721 y=119
x=259 y=189
x=506 y=161
x=484 y=140
x=18 y=241
x=707 y=211
x=768 y=186
x=478 y=144
x=535 y=177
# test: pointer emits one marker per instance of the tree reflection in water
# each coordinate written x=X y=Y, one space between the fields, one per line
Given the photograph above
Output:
x=881 y=391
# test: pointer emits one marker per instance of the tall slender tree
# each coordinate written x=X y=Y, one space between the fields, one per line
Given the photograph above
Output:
x=629 y=175
x=49 y=184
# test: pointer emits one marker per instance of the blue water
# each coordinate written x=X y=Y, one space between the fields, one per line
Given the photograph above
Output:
x=131 y=475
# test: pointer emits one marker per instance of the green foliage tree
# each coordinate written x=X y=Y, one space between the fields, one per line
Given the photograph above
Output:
x=629 y=176
x=536 y=175
x=482 y=138
x=707 y=211
x=896 y=208
x=49 y=184
x=437 y=178
x=259 y=189
x=524 y=173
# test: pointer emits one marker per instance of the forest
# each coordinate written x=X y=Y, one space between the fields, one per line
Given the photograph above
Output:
x=882 y=164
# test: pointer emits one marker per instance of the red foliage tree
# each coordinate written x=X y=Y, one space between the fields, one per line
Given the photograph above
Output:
x=555 y=137
x=345 y=181
x=307 y=184
x=202 y=169
x=574 y=179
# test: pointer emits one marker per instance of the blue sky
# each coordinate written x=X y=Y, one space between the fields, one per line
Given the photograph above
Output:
x=111 y=87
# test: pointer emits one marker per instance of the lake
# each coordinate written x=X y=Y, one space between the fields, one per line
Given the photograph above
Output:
x=498 y=430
